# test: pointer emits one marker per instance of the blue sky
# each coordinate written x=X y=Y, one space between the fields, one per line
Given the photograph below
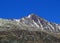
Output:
x=48 y=9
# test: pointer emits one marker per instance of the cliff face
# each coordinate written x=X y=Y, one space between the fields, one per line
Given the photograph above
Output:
x=31 y=29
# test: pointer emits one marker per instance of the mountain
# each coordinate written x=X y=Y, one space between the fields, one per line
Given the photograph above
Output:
x=30 y=29
x=34 y=20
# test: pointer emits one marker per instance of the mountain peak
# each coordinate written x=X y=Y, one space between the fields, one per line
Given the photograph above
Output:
x=36 y=21
x=31 y=15
x=34 y=17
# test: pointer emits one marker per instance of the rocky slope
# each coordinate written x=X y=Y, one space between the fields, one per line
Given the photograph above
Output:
x=30 y=29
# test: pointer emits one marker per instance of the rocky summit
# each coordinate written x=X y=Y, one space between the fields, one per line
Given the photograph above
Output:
x=29 y=29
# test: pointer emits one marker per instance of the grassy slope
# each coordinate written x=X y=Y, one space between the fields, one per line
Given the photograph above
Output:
x=13 y=32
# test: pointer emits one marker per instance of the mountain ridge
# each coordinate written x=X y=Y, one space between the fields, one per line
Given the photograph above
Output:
x=30 y=29
x=40 y=22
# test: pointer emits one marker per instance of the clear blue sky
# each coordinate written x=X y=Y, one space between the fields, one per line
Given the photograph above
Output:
x=48 y=9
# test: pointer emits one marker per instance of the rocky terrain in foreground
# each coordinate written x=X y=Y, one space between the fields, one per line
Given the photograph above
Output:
x=30 y=29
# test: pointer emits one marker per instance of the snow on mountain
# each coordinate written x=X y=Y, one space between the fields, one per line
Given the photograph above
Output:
x=41 y=23
x=29 y=29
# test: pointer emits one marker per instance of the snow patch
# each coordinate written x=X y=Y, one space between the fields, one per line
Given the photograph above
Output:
x=58 y=27
x=23 y=19
x=36 y=24
x=29 y=16
x=51 y=26
x=40 y=24
x=17 y=20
